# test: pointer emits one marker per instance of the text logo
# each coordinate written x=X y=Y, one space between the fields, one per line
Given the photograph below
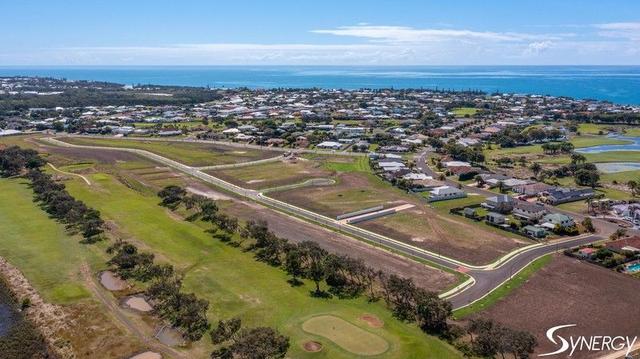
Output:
x=595 y=343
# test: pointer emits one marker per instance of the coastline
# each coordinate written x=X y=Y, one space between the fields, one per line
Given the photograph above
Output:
x=48 y=319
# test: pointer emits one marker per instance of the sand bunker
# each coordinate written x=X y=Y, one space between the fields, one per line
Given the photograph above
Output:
x=111 y=281
x=147 y=355
x=312 y=346
x=372 y=321
x=138 y=303
x=169 y=336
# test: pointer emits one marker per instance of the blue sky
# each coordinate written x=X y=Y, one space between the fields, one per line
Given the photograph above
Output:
x=328 y=32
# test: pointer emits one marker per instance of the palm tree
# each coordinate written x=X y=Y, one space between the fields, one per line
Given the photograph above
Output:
x=578 y=158
x=535 y=168
x=634 y=186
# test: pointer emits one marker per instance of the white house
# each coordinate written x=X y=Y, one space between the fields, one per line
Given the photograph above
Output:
x=330 y=145
x=444 y=193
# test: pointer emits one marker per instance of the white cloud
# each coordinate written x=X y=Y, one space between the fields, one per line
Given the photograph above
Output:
x=538 y=47
x=382 y=45
x=622 y=30
x=409 y=34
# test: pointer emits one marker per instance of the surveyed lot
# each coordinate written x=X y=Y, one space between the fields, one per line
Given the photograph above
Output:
x=421 y=226
x=567 y=291
x=192 y=154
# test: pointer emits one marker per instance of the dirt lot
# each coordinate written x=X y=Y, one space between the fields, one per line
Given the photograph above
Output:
x=425 y=228
x=297 y=231
x=421 y=226
x=567 y=291
x=190 y=153
x=274 y=174
x=353 y=191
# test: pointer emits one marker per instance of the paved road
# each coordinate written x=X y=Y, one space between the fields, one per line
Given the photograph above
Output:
x=484 y=278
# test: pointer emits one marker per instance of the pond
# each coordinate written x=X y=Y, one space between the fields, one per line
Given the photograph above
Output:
x=614 y=167
x=18 y=338
x=633 y=145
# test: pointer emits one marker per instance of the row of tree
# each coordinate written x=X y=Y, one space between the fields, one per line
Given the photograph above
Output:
x=51 y=195
x=15 y=160
x=55 y=200
x=184 y=311
x=345 y=276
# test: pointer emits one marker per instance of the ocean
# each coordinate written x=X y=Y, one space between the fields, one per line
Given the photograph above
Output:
x=618 y=84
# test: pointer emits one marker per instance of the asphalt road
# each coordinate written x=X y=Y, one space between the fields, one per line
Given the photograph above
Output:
x=486 y=278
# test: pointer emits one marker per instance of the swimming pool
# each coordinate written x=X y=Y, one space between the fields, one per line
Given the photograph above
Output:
x=632 y=268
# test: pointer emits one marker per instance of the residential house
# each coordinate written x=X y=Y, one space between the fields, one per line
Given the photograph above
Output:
x=501 y=203
x=560 y=195
x=445 y=193
x=528 y=211
x=330 y=145
x=631 y=244
x=551 y=220
x=496 y=218
x=531 y=189
x=534 y=231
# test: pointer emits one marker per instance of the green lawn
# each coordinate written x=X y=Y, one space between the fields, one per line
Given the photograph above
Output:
x=40 y=247
x=235 y=283
x=621 y=177
x=359 y=164
x=505 y=289
x=192 y=154
x=462 y=111
x=578 y=142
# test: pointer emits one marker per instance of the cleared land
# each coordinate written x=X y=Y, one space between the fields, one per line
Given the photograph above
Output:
x=274 y=174
x=192 y=154
x=420 y=226
x=567 y=291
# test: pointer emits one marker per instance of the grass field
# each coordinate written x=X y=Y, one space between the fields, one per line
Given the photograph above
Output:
x=347 y=336
x=503 y=290
x=40 y=247
x=594 y=129
x=282 y=173
x=234 y=282
x=462 y=111
x=192 y=154
x=578 y=141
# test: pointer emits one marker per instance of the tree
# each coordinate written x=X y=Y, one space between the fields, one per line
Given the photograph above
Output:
x=293 y=265
x=225 y=331
x=314 y=258
x=587 y=223
x=585 y=177
x=634 y=186
x=172 y=196
x=578 y=158
x=535 y=168
x=255 y=343
x=432 y=312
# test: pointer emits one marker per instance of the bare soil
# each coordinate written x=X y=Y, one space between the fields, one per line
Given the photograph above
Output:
x=372 y=321
x=297 y=231
x=567 y=291
x=420 y=226
x=312 y=346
